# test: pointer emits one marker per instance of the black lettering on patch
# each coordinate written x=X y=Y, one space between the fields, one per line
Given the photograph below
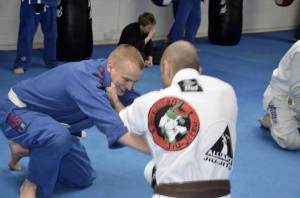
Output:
x=190 y=85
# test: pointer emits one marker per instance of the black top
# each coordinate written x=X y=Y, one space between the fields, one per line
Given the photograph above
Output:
x=132 y=35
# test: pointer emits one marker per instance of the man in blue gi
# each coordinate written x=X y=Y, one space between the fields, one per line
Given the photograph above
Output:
x=33 y=12
x=187 y=19
x=40 y=114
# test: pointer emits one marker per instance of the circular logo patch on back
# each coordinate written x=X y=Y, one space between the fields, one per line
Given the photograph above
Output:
x=173 y=123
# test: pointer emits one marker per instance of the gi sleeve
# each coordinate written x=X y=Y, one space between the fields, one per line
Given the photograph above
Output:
x=94 y=102
x=135 y=116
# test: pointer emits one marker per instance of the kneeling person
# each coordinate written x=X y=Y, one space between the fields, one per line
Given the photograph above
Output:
x=190 y=127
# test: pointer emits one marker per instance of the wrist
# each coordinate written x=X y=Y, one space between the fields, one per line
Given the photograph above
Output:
x=116 y=104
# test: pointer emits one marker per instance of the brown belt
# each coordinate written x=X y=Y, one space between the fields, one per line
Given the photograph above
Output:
x=197 y=189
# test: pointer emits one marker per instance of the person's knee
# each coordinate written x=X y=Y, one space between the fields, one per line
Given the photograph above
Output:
x=83 y=183
x=87 y=181
x=62 y=137
x=60 y=140
x=289 y=141
x=81 y=180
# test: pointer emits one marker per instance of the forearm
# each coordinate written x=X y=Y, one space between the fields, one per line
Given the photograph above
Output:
x=116 y=103
x=114 y=99
x=135 y=141
x=149 y=36
x=147 y=39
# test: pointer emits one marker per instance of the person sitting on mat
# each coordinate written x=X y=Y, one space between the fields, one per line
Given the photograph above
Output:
x=40 y=114
x=139 y=34
x=190 y=127
x=282 y=101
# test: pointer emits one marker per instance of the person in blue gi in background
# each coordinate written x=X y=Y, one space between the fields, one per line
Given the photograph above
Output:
x=33 y=12
x=40 y=114
x=187 y=19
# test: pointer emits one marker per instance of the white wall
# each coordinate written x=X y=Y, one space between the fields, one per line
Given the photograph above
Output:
x=111 y=16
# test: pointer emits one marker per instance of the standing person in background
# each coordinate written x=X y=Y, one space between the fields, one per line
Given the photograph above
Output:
x=281 y=101
x=139 y=34
x=190 y=127
x=187 y=19
x=33 y=12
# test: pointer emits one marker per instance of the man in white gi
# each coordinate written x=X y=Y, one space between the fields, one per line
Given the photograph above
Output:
x=282 y=101
x=190 y=127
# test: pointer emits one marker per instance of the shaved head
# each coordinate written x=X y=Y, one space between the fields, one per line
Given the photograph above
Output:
x=181 y=55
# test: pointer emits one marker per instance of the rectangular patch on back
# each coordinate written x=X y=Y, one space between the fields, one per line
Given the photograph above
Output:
x=190 y=85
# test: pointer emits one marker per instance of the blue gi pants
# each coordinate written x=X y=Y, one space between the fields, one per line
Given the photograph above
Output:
x=187 y=14
x=55 y=154
x=29 y=22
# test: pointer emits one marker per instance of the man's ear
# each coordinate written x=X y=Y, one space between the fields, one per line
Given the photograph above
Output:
x=166 y=71
x=200 y=70
x=109 y=65
x=169 y=70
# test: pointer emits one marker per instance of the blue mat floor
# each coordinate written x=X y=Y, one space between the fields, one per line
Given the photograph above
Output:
x=261 y=169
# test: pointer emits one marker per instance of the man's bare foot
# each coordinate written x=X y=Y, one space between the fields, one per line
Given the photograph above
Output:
x=28 y=190
x=19 y=71
x=17 y=152
x=265 y=121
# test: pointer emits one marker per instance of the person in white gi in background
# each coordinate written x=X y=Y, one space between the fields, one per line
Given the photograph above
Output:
x=282 y=101
x=190 y=127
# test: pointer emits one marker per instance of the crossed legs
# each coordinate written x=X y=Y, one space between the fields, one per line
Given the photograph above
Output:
x=282 y=121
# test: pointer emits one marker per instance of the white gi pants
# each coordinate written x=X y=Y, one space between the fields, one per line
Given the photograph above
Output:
x=285 y=114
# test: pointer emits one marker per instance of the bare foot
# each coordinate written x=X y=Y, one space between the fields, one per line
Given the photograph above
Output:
x=28 y=190
x=19 y=71
x=17 y=152
x=265 y=121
